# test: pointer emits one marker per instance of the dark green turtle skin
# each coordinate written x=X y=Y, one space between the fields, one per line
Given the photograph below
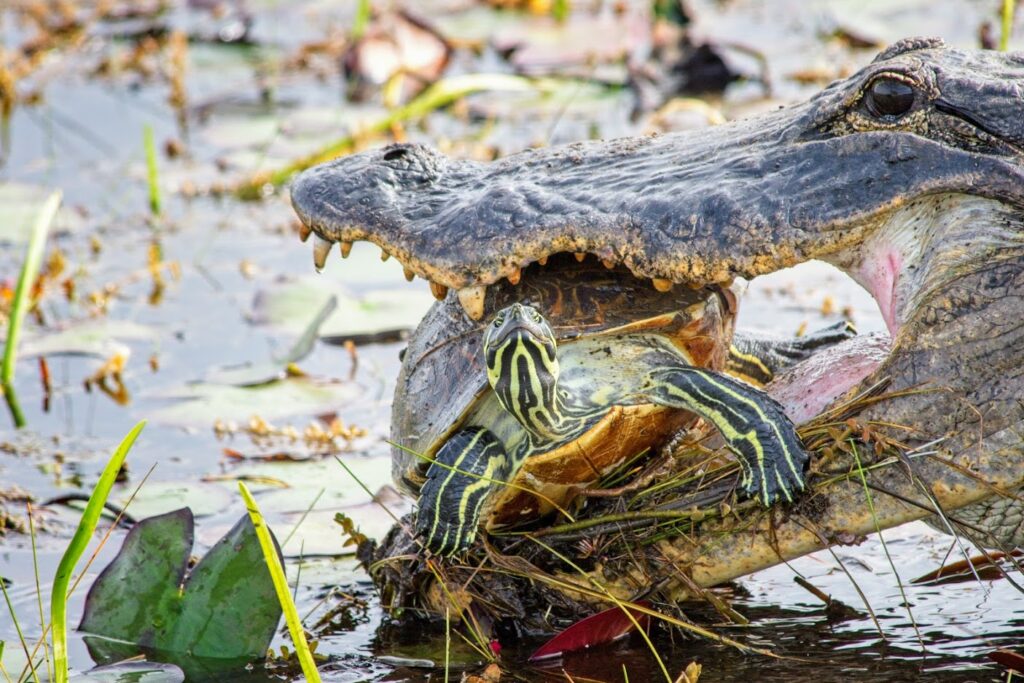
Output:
x=757 y=358
x=555 y=412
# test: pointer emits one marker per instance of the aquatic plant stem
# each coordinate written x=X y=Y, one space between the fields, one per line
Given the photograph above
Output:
x=152 y=172
x=1007 y=24
x=447 y=641
x=17 y=629
x=881 y=539
x=86 y=526
x=621 y=604
x=291 y=615
x=39 y=590
x=440 y=94
x=364 y=10
x=22 y=294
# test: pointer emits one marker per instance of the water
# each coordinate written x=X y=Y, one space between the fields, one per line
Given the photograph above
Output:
x=249 y=110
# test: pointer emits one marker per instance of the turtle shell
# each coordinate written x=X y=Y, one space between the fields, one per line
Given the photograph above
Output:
x=443 y=378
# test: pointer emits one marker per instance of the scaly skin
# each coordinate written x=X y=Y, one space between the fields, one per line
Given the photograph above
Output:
x=925 y=209
x=746 y=198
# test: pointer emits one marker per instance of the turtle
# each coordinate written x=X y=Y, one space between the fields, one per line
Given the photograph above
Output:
x=551 y=404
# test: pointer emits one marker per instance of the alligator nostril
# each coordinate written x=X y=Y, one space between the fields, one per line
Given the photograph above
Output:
x=393 y=154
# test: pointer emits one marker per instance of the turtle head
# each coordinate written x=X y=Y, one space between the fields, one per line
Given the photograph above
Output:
x=522 y=367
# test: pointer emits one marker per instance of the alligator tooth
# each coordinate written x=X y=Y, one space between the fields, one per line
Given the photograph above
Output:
x=662 y=285
x=384 y=256
x=346 y=249
x=580 y=255
x=321 y=248
x=439 y=291
x=543 y=260
x=514 y=276
x=409 y=275
x=304 y=232
x=608 y=263
x=472 y=300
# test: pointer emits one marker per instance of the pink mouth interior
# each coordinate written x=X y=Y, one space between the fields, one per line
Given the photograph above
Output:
x=879 y=274
x=810 y=386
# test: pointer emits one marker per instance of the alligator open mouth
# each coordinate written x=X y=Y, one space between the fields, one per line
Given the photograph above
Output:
x=919 y=197
x=474 y=298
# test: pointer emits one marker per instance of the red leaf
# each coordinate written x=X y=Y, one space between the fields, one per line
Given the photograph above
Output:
x=1009 y=659
x=599 y=629
x=988 y=567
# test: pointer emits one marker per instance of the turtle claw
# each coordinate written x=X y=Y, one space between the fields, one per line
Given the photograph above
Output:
x=754 y=426
x=463 y=474
x=778 y=484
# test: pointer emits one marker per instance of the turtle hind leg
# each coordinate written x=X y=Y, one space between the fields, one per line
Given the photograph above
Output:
x=753 y=425
x=465 y=471
x=758 y=359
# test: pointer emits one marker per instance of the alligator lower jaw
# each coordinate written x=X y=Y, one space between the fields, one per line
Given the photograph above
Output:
x=810 y=387
x=472 y=297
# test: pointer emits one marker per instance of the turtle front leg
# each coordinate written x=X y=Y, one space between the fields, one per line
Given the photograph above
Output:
x=465 y=471
x=753 y=425
x=757 y=359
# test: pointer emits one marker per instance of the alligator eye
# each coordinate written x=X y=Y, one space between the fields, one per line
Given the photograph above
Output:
x=889 y=97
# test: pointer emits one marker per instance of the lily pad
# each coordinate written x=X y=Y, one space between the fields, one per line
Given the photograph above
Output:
x=374 y=315
x=101 y=338
x=252 y=374
x=318 y=534
x=226 y=609
x=202 y=403
x=157 y=498
x=19 y=205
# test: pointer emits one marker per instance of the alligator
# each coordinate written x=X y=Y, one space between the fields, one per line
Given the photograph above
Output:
x=908 y=176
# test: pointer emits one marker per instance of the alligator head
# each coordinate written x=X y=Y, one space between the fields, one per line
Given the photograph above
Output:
x=909 y=175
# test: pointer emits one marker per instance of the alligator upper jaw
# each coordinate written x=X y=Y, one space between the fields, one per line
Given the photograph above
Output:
x=699 y=207
x=815 y=180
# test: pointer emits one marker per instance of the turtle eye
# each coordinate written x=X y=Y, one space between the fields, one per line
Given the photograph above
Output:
x=537 y=317
x=499 y=320
x=889 y=97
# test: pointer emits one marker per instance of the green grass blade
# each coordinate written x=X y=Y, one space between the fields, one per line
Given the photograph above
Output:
x=1007 y=27
x=447 y=642
x=3 y=671
x=90 y=517
x=363 y=12
x=152 y=173
x=622 y=605
x=291 y=615
x=441 y=94
x=881 y=539
x=560 y=10
x=17 y=629
x=39 y=591
x=29 y=271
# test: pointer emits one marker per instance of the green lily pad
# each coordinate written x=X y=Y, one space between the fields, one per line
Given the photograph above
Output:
x=101 y=338
x=318 y=534
x=376 y=314
x=225 y=610
x=203 y=403
x=202 y=498
x=252 y=374
x=19 y=204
